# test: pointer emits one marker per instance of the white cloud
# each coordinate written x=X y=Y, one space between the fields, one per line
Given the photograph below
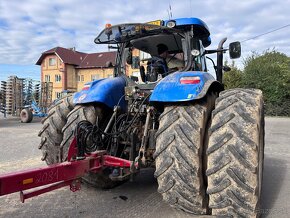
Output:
x=27 y=28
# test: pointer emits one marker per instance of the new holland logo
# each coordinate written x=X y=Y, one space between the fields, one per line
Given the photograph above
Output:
x=82 y=97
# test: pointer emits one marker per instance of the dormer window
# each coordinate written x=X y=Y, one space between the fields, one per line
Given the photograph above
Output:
x=52 y=62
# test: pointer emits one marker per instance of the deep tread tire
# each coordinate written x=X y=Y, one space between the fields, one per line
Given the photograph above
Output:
x=89 y=113
x=26 y=115
x=51 y=132
x=179 y=149
x=235 y=153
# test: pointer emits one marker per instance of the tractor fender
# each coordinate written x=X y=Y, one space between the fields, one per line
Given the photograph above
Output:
x=170 y=88
x=109 y=91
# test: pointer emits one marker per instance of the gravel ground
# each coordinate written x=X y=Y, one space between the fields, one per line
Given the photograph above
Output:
x=19 y=144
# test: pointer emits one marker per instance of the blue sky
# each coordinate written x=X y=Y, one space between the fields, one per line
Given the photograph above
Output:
x=30 y=27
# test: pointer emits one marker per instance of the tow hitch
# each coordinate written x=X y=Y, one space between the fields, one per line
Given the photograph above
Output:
x=68 y=173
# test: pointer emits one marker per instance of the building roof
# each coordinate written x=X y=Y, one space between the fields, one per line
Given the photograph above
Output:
x=80 y=59
x=95 y=60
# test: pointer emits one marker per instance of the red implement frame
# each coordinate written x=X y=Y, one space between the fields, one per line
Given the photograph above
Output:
x=58 y=175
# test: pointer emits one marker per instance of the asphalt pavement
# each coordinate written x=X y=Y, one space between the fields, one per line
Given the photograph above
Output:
x=19 y=142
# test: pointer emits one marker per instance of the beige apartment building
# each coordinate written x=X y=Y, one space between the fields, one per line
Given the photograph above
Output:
x=69 y=69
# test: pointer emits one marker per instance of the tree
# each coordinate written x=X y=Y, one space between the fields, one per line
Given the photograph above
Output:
x=270 y=72
x=233 y=78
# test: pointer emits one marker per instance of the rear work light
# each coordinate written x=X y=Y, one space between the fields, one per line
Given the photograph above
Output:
x=86 y=87
x=171 y=24
x=190 y=80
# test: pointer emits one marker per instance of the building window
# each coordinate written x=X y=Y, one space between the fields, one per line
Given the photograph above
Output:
x=144 y=55
x=81 y=78
x=57 y=94
x=52 y=62
x=95 y=77
x=135 y=62
x=57 y=78
x=47 y=78
x=137 y=74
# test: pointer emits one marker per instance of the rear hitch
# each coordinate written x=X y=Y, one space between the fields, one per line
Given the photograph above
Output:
x=120 y=174
x=63 y=174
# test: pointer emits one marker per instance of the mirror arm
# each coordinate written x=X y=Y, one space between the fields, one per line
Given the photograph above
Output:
x=215 y=51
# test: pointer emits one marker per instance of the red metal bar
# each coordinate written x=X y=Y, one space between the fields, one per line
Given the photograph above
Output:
x=24 y=196
x=60 y=175
x=115 y=161
x=13 y=182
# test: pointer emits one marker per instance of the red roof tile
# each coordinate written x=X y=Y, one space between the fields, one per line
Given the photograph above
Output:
x=103 y=59
x=80 y=59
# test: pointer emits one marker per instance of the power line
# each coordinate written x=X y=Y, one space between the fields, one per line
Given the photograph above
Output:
x=288 y=25
x=170 y=11
x=168 y=14
x=190 y=4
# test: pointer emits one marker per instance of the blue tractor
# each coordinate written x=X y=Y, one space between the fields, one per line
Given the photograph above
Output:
x=205 y=143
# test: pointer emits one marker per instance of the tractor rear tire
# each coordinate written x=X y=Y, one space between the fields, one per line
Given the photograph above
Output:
x=88 y=113
x=235 y=153
x=26 y=115
x=51 y=132
x=179 y=150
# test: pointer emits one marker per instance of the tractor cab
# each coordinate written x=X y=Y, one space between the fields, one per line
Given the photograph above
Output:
x=180 y=75
x=138 y=45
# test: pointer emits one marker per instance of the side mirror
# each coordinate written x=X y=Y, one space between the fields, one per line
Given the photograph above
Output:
x=235 y=50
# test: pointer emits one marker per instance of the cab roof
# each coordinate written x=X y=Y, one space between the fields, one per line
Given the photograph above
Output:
x=126 y=32
x=199 y=27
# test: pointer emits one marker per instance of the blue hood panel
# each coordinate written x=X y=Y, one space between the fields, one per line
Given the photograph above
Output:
x=170 y=89
x=108 y=91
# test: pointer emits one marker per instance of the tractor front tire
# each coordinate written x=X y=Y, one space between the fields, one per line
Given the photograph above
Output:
x=89 y=113
x=179 y=150
x=51 y=132
x=235 y=153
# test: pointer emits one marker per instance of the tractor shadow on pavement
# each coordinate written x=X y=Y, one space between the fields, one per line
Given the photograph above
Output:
x=133 y=199
x=273 y=179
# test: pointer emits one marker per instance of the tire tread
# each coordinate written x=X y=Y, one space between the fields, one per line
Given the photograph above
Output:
x=236 y=143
